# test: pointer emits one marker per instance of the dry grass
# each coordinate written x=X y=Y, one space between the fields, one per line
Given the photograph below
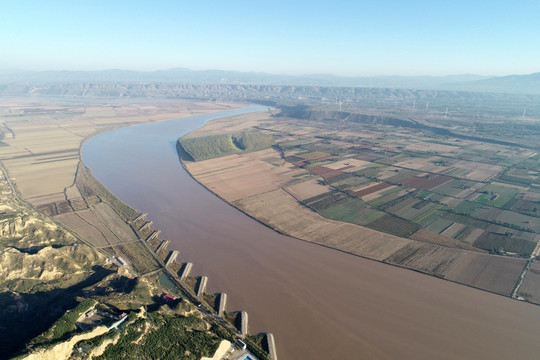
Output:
x=308 y=189
x=231 y=124
x=83 y=229
x=99 y=225
x=41 y=178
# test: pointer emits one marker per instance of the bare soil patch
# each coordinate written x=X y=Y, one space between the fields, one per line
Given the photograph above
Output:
x=494 y=273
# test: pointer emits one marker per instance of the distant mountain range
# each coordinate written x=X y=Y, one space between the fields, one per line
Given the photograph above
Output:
x=516 y=84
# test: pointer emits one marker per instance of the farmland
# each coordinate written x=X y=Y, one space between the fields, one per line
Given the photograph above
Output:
x=41 y=153
x=454 y=202
x=65 y=237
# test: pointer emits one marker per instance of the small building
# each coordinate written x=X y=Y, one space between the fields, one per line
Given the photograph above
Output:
x=166 y=298
x=242 y=345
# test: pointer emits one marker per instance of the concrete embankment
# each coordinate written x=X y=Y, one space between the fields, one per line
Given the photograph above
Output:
x=243 y=323
x=271 y=346
x=186 y=270
x=222 y=304
x=172 y=257
x=153 y=235
x=146 y=225
x=163 y=245
x=202 y=286
x=140 y=217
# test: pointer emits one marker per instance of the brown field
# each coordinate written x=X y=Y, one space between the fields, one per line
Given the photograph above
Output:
x=231 y=125
x=112 y=221
x=351 y=165
x=83 y=229
x=530 y=287
x=235 y=177
x=43 y=155
x=95 y=220
x=452 y=230
x=282 y=212
x=428 y=147
x=434 y=238
x=394 y=225
x=308 y=189
x=494 y=273
x=47 y=199
x=426 y=164
x=428 y=258
x=73 y=192
x=42 y=178
x=390 y=191
x=478 y=171
x=313 y=155
x=371 y=189
x=426 y=181
x=473 y=235
x=325 y=172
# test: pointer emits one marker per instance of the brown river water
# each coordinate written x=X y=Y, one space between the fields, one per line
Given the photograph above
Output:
x=319 y=303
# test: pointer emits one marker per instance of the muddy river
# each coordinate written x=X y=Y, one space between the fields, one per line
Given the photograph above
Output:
x=319 y=303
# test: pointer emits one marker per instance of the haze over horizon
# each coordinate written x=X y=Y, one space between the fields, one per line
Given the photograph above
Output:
x=346 y=38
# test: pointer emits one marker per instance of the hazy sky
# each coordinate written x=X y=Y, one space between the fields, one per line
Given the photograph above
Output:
x=377 y=37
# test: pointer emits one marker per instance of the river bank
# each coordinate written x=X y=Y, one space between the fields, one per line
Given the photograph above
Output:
x=318 y=302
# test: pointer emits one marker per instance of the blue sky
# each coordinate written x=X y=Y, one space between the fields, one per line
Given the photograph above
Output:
x=353 y=38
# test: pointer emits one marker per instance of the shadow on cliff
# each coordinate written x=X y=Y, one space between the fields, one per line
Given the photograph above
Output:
x=24 y=316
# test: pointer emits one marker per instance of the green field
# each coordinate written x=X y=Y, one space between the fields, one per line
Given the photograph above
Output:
x=352 y=210
x=519 y=220
x=454 y=187
x=386 y=196
x=439 y=225
x=394 y=225
x=495 y=195
x=429 y=216
x=213 y=146
x=350 y=182
x=493 y=241
x=467 y=207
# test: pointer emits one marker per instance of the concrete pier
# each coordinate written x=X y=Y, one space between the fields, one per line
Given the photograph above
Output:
x=153 y=235
x=172 y=257
x=243 y=323
x=163 y=245
x=186 y=270
x=222 y=304
x=142 y=216
x=147 y=224
x=202 y=286
x=271 y=346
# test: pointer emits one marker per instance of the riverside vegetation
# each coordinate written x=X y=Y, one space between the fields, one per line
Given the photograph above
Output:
x=209 y=147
